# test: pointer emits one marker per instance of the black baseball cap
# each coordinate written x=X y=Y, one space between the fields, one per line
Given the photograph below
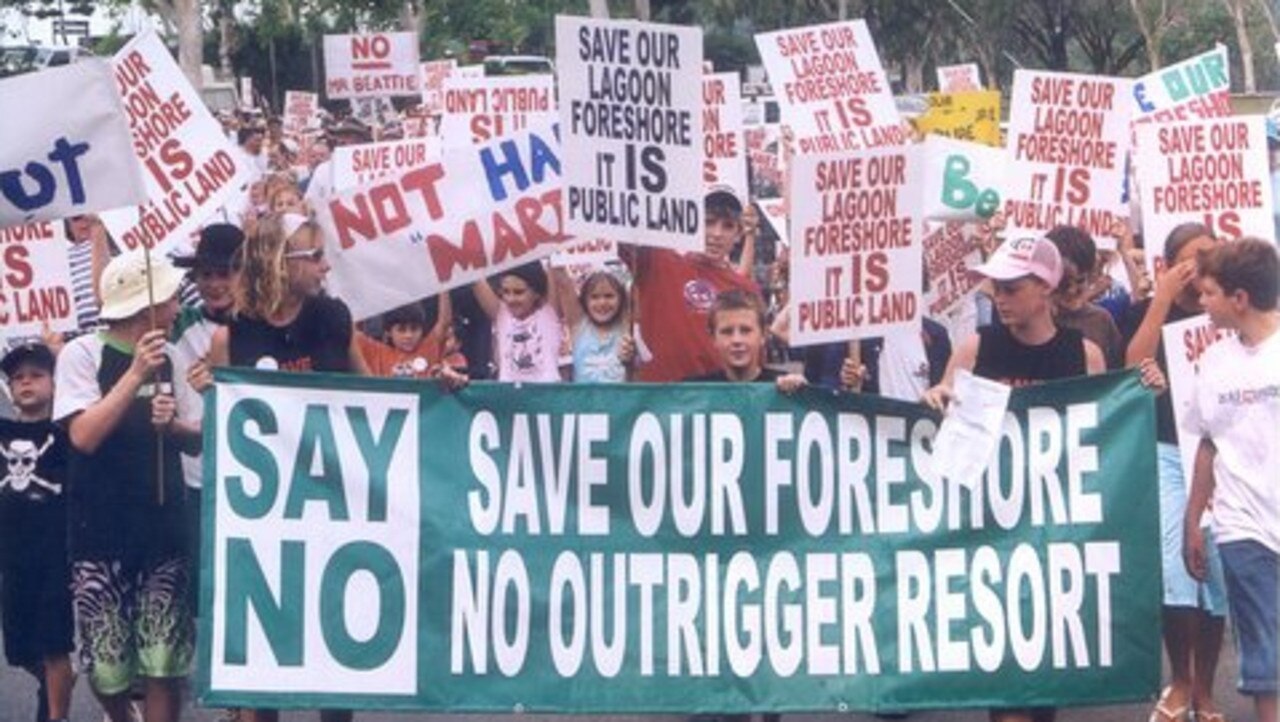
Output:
x=219 y=243
x=28 y=353
x=722 y=197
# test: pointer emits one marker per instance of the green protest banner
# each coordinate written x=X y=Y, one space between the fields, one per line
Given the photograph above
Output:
x=377 y=543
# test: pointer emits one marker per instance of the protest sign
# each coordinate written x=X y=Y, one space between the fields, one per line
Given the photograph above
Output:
x=429 y=228
x=1212 y=171
x=1185 y=342
x=724 y=153
x=631 y=115
x=585 y=253
x=973 y=116
x=765 y=160
x=949 y=255
x=359 y=165
x=434 y=73
x=628 y=548
x=299 y=109
x=959 y=78
x=960 y=181
x=855 y=245
x=191 y=167
x=55 y=163
x=477 y=110
x=35 y=280
x=1068 y=148
x=371 y=66
x=831 y=88
x=246 y=92
x=1196 y=88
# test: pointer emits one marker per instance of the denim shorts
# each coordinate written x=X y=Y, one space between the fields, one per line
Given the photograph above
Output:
x=1180 y=588
x=1251 y=571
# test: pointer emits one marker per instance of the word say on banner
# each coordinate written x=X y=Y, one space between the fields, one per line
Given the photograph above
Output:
x=638 y=549
x=323 y=598
x=1068 y=145
x=372 y=66
x=35 y=280
x=55 y=164
x=477 y=110
x=1185 y=342
x=429 y=228
x=724 y=151
x=831 y=88
x=357 y=165
x=191 y=166
x=631 y=114
x=1213 y=172
x=855 y=246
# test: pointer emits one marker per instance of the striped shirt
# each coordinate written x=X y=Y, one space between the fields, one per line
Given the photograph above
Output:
x=81 y=257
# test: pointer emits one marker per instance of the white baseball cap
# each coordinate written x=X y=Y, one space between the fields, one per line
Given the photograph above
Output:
x=125 y=284
x=1019 y=257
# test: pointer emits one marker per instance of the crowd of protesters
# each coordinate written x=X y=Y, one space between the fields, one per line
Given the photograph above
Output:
x=100 y=533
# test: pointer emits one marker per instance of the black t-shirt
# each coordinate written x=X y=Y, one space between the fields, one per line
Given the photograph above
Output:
x=1166 y=424
x=33 y=509
x=1003 y=358
x=318 y=339
x=114 y=507
x=766 y=375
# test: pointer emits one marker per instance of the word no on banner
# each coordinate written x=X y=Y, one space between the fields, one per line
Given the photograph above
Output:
x=376 y=543
x=191 y=168
x=1068 y=144
x=429 y=227
x=380 y=65
x=631 y=114
x=831 y=88
x=855 y=245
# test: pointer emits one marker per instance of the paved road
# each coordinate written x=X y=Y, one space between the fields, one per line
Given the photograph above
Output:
x=17 y=697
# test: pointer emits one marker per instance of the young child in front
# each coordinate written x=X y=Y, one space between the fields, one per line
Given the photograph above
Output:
x=737 y=326
x=409 y=348
x=36 y=600
x=527 y=329
x=602 y=348
x=1236 y=408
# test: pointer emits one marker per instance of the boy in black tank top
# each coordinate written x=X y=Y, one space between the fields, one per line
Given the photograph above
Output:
x=1025 y=349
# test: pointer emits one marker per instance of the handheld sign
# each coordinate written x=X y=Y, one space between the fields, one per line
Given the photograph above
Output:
x=380 y=65
x=631 y=114
x=1196 y=88
x=477 y=110
x=359 y=165
x=960 y=181
x=1213 y=172
x=191 y=167
x=427 y=228
x=972 y=116
x=55 y=163
x=723 y=147
x=35 y=280
x=831 y=87
x=959 y=78
x=855 y=246
x=949 y=254
x=299 y=109
x=434 y=73
x=1185 y=342
x=1068 y=145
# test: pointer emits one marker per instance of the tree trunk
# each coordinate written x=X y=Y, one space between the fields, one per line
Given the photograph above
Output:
x=184 y=16
x=1151 y=34
x=1239 y=16
x=643 y=10
x=599 y=8
x=1270 y=13
x=226 y=40
x=411 y=17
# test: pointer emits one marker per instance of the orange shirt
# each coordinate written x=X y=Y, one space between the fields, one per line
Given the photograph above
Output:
x=386 y=360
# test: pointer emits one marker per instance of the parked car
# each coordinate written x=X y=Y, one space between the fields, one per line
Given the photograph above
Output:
x=49 y=56
x=518 y=65
x=16 y=59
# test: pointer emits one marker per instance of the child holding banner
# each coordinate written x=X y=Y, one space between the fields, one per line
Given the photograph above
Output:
x=602 y=349
x=130 y=568
x=1194 y=612
x=1237 y=412
x=738 y=330
x=526 y=324
x=675 y=292
x=36 y=601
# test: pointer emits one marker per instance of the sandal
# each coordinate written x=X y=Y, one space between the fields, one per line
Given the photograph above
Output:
x=1162 y=713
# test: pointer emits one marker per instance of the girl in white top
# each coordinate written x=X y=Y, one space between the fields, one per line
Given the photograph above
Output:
x=527 y=330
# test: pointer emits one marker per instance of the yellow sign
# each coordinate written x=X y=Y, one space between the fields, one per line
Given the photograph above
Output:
x=973 y=116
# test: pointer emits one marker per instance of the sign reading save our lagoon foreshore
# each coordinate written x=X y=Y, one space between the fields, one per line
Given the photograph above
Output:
x=375 y=543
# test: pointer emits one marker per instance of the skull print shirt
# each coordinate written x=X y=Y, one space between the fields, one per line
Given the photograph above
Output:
x=33 y=515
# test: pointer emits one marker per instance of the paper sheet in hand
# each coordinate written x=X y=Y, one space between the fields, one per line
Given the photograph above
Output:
x=970 y=432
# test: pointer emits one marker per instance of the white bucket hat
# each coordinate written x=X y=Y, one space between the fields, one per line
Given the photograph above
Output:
x=124 y=285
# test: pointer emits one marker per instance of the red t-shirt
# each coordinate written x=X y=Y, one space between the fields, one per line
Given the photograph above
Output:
x=676 y=293
x=386 y=360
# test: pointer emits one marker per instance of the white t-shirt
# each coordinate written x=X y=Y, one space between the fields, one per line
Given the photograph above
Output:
x=1237 y=406
x=195 y=337
x=528 y=349
x=77 y=387
x=904 y=365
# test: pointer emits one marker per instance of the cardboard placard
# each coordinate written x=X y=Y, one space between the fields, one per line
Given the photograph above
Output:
x=359 y=165
x=972 y=116
x=1185 y=342
x=55 y=163
x=724 y=153
x=372 y=66
x=631 y=119
x=960 y=181
x=959 y=78
x=1196 y=88
x=1068 y=146
x=855 y=246
x=300 y=108
x=37 y=280
x=1213 y=172
x=434 y=73
x=831 y=87
x=949 y=254
x=191 y=168
x=477 y=110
